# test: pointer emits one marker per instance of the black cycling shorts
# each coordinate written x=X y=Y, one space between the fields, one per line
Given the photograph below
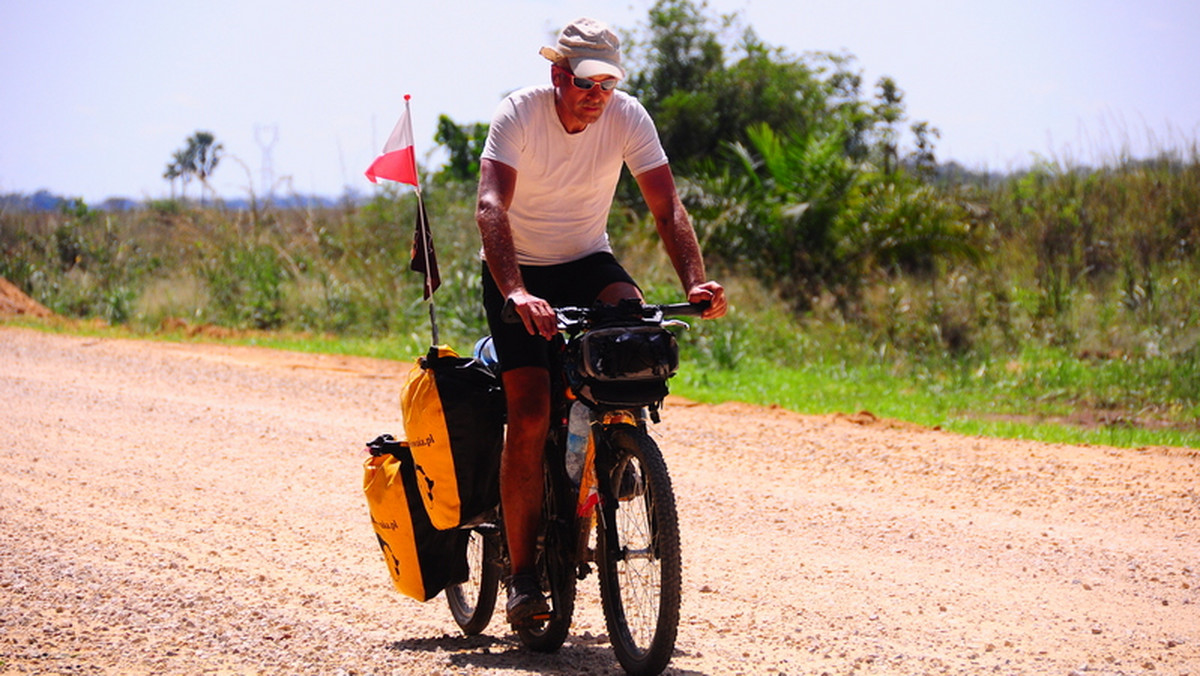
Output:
x=577 y=283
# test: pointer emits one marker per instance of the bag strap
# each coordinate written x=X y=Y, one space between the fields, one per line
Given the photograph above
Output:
x=385 y=444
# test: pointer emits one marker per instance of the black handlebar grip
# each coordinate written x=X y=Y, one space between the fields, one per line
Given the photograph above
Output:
x=686 y=309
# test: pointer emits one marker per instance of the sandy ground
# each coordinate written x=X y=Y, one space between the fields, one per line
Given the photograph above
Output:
x=189 y=509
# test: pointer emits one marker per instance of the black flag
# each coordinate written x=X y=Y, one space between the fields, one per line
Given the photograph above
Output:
x=424 y=259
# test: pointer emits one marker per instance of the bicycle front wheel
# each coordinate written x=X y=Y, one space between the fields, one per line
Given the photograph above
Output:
x=472 y=602
x=639 y=553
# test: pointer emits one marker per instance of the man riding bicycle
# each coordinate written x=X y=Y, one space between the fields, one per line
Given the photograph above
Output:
x=548 y=174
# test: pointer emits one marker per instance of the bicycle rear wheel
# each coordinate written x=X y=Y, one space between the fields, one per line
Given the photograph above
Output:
x=473 y=602
x=639 y=553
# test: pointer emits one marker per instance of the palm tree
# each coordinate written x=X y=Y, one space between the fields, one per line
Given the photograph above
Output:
x=199 y=158
x=206 y=154
x=180 y=167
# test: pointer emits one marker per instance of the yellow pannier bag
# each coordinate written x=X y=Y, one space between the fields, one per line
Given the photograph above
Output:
x=421 y=559
x=453 y=411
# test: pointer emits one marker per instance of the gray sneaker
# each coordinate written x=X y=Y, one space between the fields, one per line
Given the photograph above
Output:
x=527 y=607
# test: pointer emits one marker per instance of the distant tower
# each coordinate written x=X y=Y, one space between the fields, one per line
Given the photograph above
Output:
x=267 y=137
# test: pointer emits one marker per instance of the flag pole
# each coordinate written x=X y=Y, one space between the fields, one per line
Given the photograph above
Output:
x=398 y=163
x=426 y=235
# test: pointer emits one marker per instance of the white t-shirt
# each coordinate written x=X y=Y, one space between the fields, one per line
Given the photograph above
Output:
x=566 y=182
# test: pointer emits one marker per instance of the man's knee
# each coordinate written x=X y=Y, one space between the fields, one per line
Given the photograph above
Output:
x=618 y=291
x=527 y=394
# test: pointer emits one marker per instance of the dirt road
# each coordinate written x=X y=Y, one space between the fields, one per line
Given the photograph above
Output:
x=187 y=509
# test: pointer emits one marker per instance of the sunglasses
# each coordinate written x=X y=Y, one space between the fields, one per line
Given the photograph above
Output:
x=584 y=84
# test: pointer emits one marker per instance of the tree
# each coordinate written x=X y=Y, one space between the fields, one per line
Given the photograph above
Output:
x=803 y=215
x=889 y=111
x=682 y=56
x=207 y=154
x=198 y=159
x=177 y=171
x=707 y=81
x=785 y=215
x=923 y=158
x=465 y=144
x=788 y=167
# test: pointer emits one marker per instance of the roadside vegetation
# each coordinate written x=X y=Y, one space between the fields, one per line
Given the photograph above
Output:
x=1060 y=302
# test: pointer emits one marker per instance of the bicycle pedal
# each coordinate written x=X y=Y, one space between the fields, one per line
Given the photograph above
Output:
x=534 y=621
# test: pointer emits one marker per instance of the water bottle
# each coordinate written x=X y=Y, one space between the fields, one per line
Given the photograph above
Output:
x=485 y=352
x=578 y=429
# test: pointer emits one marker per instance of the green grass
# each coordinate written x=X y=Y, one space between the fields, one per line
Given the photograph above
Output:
x=954 y=398
x=1032 y=396
x=401 y=348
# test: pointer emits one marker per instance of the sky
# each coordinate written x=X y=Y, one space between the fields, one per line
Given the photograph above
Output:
x=95 y=97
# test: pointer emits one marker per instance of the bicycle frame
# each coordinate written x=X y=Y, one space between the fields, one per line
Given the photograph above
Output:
x=589 y=507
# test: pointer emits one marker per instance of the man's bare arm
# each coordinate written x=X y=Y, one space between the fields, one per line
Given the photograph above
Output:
x=497 y=182
x=675 y=229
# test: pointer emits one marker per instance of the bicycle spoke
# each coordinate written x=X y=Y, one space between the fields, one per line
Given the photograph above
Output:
x=639 y=571
x=472 y=601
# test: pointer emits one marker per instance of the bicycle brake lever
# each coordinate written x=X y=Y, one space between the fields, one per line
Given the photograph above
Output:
x=508 y=314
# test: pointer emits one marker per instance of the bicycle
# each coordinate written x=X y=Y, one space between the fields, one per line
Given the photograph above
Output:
x=624 y=494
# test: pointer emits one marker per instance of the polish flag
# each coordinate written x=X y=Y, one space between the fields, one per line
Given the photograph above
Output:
x=398 y=161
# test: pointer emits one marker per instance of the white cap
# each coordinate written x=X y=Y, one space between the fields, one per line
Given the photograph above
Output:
x=591 y=48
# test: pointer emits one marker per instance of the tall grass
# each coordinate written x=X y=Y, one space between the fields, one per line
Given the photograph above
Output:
x=341 y=270
x=1083 y=308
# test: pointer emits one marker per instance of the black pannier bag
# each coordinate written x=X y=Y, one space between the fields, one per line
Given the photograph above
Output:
x=454 y=412
x=622 y=366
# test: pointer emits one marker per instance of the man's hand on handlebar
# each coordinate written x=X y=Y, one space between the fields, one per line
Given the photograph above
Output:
x=535 y=313
x=705 y=300
x=710 y=292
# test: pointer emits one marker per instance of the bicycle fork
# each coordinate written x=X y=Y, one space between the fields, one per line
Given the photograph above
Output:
x=602 y=508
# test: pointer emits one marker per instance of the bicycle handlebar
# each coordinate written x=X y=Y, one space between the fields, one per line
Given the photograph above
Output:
x=684 y=309
x=628 y=309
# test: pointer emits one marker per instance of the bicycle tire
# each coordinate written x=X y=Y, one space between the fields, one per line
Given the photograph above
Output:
x=555 y=567
x=473 y=602
x=640 y=573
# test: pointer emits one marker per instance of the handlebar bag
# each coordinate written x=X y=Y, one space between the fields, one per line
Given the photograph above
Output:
x=453 y=411
x=622 y=366
x=421 y=559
